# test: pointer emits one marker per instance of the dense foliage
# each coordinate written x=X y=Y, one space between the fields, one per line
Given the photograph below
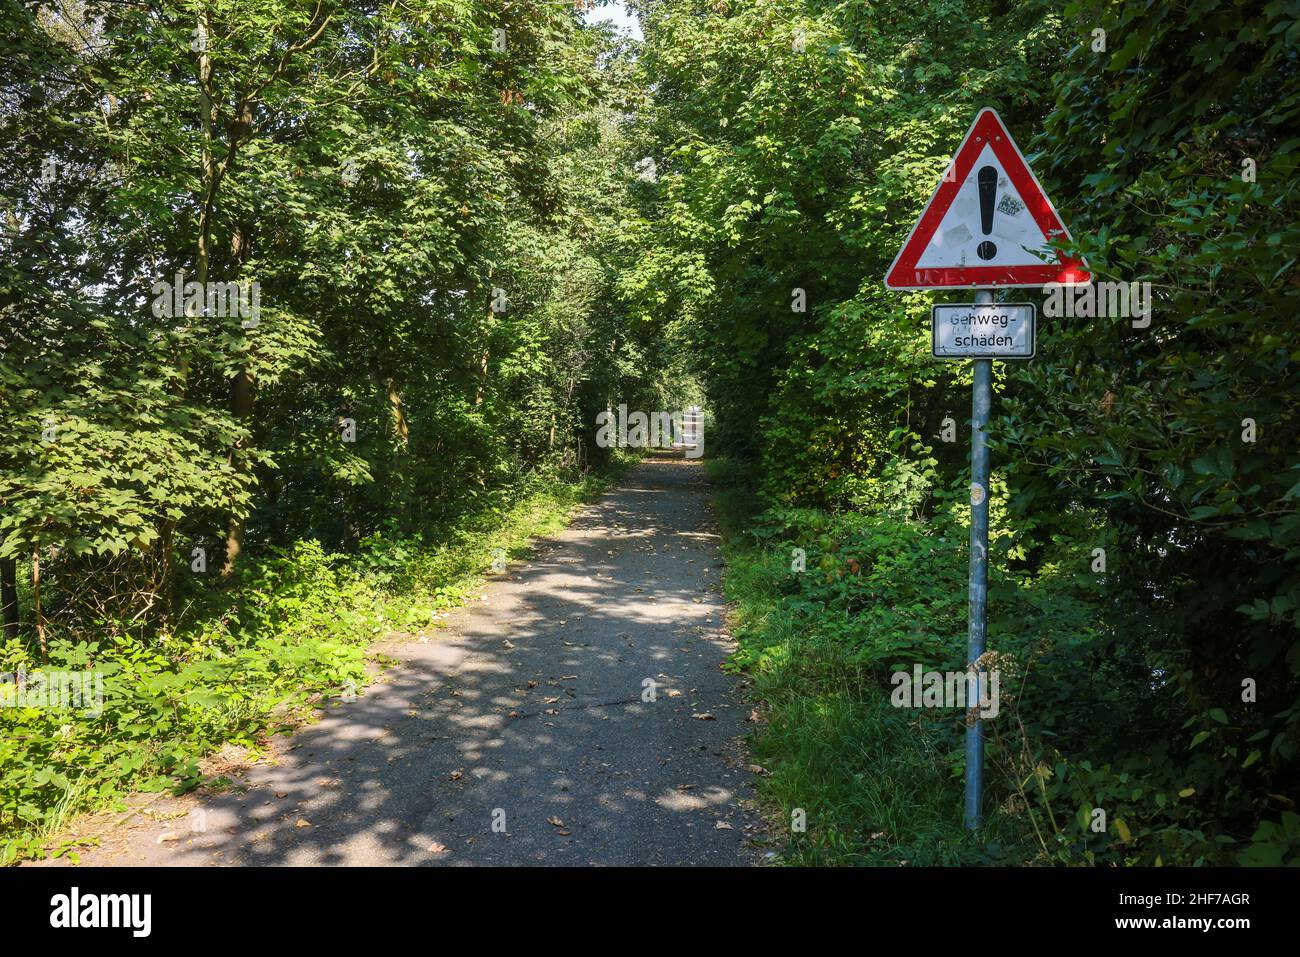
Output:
x=426 y=197
x=796 y=143
x=473 y=224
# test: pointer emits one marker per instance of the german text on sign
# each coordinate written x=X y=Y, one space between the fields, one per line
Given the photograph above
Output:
x=994 y=331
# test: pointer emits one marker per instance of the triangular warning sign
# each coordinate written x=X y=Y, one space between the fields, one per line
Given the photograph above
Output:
x=988 y=223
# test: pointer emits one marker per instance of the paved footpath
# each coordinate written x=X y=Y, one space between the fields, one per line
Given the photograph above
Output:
x=526 y=713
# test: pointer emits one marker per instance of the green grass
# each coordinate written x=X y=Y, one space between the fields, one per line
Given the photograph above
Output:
x=878 y=785
x=884 y=590
x=247 y=660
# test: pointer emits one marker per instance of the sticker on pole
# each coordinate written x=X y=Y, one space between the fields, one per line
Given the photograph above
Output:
x=989 y=223
x=1001 y=330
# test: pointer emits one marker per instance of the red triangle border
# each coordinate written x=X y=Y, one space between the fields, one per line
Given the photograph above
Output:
x=987 y=128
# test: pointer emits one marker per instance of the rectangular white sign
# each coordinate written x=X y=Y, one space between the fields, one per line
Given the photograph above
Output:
x=1002 y=330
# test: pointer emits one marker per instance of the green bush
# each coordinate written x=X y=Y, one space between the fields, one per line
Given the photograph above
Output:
x=252 y=657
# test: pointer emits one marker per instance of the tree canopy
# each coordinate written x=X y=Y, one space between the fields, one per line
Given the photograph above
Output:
x=434 y=239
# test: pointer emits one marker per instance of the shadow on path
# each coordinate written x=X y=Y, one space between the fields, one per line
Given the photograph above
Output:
x=527 y=713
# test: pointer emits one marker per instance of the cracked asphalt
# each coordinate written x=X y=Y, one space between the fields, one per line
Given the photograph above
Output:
x=520 y=734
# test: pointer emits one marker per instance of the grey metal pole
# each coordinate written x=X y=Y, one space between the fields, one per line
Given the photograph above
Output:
x=981 y=402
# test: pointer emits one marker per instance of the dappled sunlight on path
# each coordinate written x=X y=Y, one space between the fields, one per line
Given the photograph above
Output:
x=527 y=711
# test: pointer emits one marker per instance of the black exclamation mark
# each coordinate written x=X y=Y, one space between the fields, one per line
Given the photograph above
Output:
x=988 y=184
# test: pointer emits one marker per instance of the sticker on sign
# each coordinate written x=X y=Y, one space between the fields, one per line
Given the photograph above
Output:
x=1002 y=330
x=988 y=223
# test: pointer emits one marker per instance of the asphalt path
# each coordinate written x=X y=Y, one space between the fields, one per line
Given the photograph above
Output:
x=576 y=714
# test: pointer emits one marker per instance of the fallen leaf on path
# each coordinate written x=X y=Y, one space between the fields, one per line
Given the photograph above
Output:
x=722 y=826
x=302 y=822
x=703 y=717
x=437 y=848
x=555 y=821
x=456 y=775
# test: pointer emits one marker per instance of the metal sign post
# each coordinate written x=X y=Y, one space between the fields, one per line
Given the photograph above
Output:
x=987 y=225
x=982 y=331
x=977 y=630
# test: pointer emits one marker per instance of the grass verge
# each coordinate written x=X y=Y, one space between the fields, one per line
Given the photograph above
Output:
x=851 y=779
x=248 y=659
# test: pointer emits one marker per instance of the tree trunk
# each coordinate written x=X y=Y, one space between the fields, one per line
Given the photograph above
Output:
x=486 y=355
x=241 y=399
x=36 y=603
x=483 y=359
x=400 y=426
x=166 y=587
x=9 y=596
x=388 y=393
x=211 y=172
x=241 y=404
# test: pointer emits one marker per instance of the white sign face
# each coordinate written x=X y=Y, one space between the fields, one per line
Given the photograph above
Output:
x=1002 y=330
x=988 y=224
